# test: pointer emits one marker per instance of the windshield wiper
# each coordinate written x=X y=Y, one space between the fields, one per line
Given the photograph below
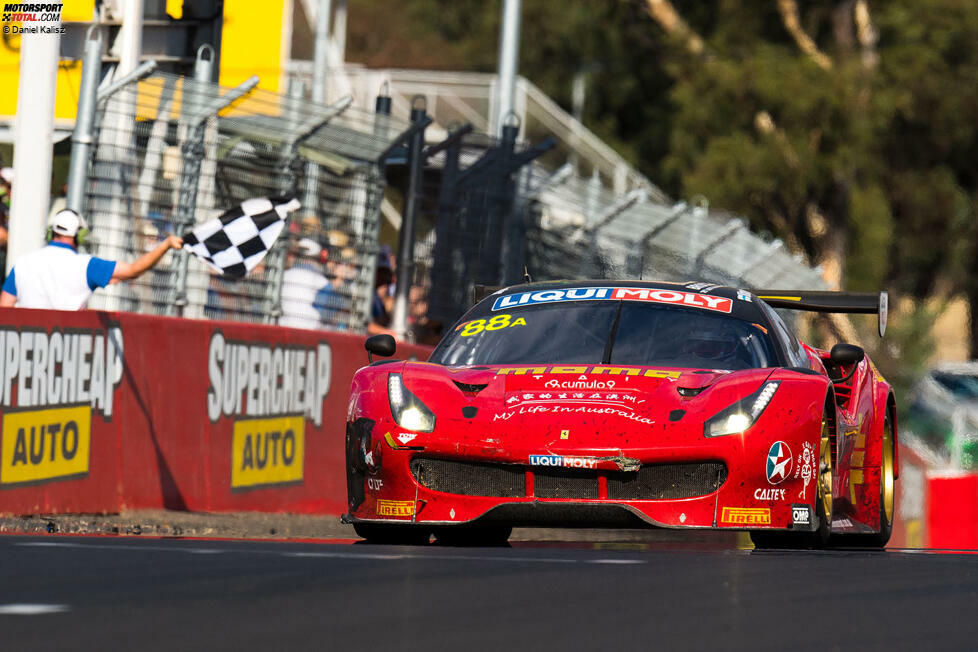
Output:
x=610 y=344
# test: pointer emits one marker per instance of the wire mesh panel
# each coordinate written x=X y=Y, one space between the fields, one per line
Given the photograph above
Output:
x=172 y=152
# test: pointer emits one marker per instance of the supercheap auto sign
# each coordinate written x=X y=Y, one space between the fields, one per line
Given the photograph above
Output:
x=675 y=297
x=51 y=385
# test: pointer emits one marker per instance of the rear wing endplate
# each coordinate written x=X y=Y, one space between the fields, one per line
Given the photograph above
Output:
x=822 y=301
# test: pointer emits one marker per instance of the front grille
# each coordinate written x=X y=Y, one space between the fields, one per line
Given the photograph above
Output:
x=470 y=478
x=565 y=483
x=667 y=481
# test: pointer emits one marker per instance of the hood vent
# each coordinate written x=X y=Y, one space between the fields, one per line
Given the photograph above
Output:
x=469 y=388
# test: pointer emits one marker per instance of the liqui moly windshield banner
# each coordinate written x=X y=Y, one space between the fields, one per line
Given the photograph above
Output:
x=704 y=301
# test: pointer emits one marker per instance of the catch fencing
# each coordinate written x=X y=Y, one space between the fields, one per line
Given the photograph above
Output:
x=171 y=152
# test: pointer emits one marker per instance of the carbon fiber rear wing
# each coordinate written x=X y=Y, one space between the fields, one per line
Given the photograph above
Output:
x=821 y=301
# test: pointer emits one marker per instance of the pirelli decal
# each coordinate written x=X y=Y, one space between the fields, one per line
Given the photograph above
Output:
x=746 y=516
x=45 y=445
x=395 y=508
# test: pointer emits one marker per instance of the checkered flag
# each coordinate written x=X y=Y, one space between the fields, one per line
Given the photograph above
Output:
x=236 y=242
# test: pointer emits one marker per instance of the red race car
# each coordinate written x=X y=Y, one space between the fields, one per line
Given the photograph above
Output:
x=635 y=404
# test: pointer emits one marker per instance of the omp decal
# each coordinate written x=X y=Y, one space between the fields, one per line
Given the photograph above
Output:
x=395 y=508
x=746 y=516
x=585 y=369
x=258 y=380
x=267 y=452
x=801 y=515
x=496 y=323
x=778 y=462
x=45 y=445
x=704 y=301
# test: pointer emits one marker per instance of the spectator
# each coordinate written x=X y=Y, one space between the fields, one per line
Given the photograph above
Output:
x=58 y=277
x=303 y=285
x=338 y=301
x=380 y=307
x=6 y=182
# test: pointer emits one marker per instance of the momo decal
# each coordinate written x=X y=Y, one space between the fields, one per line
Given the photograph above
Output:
x=675 y=297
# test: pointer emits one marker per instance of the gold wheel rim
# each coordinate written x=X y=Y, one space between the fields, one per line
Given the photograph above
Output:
x=825 y=471
x=886 y=490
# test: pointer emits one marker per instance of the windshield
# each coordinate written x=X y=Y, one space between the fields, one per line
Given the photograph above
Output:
x=960 y=385
x=622 y=332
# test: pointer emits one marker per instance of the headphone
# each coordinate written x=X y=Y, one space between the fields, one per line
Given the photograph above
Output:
x=81 y=236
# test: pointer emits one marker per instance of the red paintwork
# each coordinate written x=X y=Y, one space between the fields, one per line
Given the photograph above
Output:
x=793 y=416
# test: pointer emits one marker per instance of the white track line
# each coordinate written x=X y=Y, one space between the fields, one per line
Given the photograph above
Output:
x=31 y=609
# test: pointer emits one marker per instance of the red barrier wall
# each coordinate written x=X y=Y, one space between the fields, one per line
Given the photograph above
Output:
x=952 y=515
x=203 y=416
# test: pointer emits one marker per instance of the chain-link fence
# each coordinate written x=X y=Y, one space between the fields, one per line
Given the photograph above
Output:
x=172 y=152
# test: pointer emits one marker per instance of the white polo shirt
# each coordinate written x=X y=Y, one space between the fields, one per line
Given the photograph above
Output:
x=57 y=277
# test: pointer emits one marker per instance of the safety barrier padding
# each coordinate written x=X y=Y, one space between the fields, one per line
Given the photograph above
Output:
x=109 y=411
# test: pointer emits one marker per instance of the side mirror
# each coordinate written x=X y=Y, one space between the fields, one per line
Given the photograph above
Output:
x=844 y=355
x=382 y=345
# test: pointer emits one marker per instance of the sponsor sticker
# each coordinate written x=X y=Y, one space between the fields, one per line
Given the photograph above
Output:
x=565 y=461
x=746 y=516
x=805 y=466
x=45 y=445
x=599 y=370
x=801 y=515
x=395 y=508
x=778 y=462
x=675 y=297
x=769 y=494
x=267 y=452
x=497 y=323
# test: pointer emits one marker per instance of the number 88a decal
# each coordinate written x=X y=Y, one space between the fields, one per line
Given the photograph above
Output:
x=498 y=322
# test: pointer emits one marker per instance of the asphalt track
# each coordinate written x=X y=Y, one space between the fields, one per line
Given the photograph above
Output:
x=109 y=593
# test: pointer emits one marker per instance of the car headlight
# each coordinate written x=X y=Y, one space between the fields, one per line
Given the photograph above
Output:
x=408 y=410
x=741 y=415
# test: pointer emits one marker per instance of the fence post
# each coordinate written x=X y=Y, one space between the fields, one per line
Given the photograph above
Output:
x=193 y=154
x=405 y=246
x=513 y=250
x=84 y=134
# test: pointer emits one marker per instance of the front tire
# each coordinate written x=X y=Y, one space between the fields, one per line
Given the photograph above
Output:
x=395 y=535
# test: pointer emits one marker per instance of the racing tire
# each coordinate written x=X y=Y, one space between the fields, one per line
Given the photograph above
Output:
x=763 y=539
x=395 y=535
x=887 y=487
x=472 y=535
